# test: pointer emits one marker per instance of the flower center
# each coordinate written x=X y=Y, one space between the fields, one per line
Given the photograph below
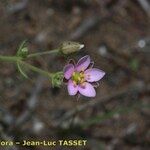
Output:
x=78 y=77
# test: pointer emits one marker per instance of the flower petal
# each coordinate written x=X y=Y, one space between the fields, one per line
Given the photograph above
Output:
x=94 y=74
x=87 y=90
x=83 y=63
x=68 y=70
x=72 y=89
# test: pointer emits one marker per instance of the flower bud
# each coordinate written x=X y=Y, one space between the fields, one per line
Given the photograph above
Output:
x=57 y=79
x=69 y=47
x=23 y=52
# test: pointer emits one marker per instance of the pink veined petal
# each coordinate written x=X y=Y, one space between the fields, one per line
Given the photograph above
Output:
x=83 y=63
x=72 y=89
x=94 y=74
x=68 y=70
x=87 y=90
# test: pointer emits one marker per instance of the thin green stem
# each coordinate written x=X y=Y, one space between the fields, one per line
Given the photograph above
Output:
x=43 y=53
x=19 y=60
x=15 y=59
x=36 y=69
x=9 y=58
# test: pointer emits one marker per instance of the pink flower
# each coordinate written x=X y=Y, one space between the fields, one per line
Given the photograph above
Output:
x=80 y=77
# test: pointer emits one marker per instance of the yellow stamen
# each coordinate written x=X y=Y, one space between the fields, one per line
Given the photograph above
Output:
x=81 y=75
x=75 y=84
x=79 y=78
x=82 y=80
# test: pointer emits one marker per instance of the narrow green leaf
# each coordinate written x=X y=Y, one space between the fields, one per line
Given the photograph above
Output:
x=21 y=70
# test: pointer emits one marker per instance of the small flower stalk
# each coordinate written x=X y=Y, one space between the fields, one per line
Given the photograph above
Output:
x=81 y=77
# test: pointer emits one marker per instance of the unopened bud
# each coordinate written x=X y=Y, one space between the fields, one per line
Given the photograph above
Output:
x=57 y=79
x=23 y=52
x=70 y=47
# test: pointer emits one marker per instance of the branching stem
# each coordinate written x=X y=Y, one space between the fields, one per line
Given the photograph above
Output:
x=16 y=59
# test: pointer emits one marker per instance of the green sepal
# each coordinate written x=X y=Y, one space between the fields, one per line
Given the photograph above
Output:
x=23 y=50
x=21 y=70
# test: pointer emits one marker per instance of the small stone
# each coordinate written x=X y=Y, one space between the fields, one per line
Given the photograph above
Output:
x=102 y=50
x=141 y=43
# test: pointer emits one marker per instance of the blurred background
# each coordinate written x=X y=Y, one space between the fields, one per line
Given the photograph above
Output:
x=116 y=34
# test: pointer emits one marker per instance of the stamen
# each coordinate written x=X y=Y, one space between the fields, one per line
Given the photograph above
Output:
x=83 y=85
x=75 y=84
x=82 y=81
x=81 y=73
x=79 y=78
